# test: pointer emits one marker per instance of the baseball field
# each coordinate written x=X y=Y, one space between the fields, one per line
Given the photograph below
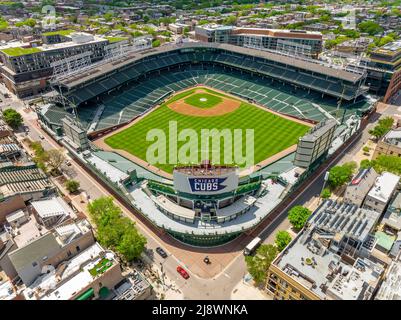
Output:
x=202 y=108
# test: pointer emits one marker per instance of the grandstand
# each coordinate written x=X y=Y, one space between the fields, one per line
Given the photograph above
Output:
x=130 y=87
x=111 y=94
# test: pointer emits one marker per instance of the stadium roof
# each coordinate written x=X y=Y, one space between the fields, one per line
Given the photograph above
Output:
x=276 y=57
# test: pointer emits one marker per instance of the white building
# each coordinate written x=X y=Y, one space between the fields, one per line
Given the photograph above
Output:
x=52 y=211
x=381 y=193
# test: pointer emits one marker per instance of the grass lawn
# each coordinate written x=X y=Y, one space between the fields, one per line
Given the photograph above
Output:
x=203 y=100
x=100 y=267
x=272 y=133
x=116 y=39
x=15 y=52
x=59 y=32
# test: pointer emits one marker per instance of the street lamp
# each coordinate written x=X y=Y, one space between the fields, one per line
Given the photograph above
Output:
x=326 y=177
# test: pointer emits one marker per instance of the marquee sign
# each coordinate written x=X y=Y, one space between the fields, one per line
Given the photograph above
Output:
x=205 y=185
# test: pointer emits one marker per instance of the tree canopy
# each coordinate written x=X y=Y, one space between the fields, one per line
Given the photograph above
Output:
x=386 y=163
x=384 y=125
x=114 y=230
x=298 y=216
x=12 y=118
x=72 y=185
x=339 y=175
x=258 y=265
x=370 y=27
x=326 y=193
x=283 y=238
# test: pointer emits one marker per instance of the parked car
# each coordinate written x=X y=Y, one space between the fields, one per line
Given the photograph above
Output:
x=182 y=272
x=161 y=252
x=41 y=137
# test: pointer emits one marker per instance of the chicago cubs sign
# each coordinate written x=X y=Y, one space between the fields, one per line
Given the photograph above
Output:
x=205 y=185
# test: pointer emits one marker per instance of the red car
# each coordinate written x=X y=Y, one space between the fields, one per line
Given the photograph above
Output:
x=182 y=272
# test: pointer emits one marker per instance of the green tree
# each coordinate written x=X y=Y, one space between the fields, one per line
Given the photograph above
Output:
x=3 y=24
x=231 y=20
x=326 y=193
x=339 y=175
x=258 y=265
x=12 y=118
x=110 y=234
x=387 y=163
x=298 y=216
x=103 y=210
x=156 y=43
x=370 y=27
x=384 y=125
x=283 y=238
x=108 y=16
x=377 y=132
x=365 y=164
x=132 y=243
x=72 y=185
x=115 y=231
x=386 y=122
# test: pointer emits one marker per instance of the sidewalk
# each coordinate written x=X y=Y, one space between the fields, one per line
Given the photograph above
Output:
x=246 y=291
x=164 y=288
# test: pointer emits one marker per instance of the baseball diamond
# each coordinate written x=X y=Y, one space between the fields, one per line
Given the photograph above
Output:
x=273 y=133
x=284 y=103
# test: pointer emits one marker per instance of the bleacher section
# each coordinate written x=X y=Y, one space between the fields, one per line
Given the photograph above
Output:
x=128 y=102
x=328 y=85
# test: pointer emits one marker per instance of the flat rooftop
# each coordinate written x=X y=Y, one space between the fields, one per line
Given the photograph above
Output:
x=384 y=186
x=391 y=286
x=172 y=207
x=63 y=285
x=389 y=49
x=7 y=291
x=52 y=207
x=344 y=219
x=29 y=232
x=317 y=268
x=20 y=48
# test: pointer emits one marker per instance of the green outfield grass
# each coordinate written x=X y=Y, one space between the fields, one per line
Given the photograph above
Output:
x=272 y=133
x=203 y=100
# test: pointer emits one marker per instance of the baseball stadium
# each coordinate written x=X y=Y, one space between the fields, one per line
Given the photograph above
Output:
x=104 y=115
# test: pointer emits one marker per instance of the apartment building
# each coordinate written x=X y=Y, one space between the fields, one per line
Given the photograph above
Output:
x=301 y=42
x=389 y=145
x=384 y=70
x=50 y=249
x=330 y=258
x=359 y=186
x=90 y=274
x=26 y=68
x=23 y=224
x=381 y=193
